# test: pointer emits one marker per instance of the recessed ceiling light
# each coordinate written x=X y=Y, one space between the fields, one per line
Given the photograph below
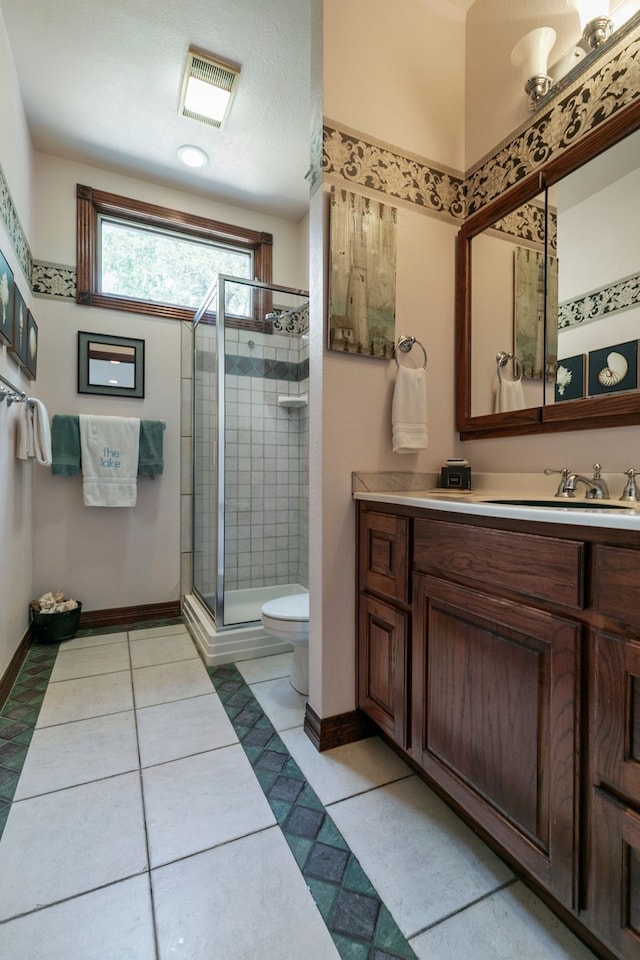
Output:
x=207 y=88
x=192 y=156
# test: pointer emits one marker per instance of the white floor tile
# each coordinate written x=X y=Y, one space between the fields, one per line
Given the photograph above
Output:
x=201 y=801
x=169 y=630
x=423 y=861
x=266 y=668
x=170 y=681
x=91 y=661
x=73 y=753
x=88 y=697
x=510 y=923
x=97 y=640
x=281 y=703
x=181 y=728
x=115 y=923
x=244 y=900
x=70 y=842
x=347 y=770
x=153 y=650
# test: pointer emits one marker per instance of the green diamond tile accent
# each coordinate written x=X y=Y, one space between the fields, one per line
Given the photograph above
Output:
x=360 y=925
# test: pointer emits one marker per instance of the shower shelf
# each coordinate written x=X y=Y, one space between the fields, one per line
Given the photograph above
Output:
x=294 y=401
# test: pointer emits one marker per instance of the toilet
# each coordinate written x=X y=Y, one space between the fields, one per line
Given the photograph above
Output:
x=287 y=618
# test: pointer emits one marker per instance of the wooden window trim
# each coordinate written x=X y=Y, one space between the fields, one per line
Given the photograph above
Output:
x=93 y=203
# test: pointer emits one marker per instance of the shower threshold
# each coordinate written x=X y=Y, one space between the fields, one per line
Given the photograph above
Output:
x=243 y=636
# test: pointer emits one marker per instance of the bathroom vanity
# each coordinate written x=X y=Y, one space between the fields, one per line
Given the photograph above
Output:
x=499 y=652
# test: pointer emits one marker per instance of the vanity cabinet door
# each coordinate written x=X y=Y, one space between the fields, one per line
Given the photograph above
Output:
x=613 y=910
x=615 y=715
x=383 y=683
x=495 y=689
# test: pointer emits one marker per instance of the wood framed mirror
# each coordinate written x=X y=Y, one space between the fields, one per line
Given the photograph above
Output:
x=566 y=242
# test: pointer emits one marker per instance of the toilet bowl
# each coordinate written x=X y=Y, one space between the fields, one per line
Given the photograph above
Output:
x=287 y=618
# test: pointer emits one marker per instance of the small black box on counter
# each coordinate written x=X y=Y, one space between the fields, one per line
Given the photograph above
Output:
x=455 y=475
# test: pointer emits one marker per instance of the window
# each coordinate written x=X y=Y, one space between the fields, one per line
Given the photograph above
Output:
x=142 y=258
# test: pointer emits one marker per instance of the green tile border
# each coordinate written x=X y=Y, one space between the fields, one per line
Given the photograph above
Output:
x=360 y=925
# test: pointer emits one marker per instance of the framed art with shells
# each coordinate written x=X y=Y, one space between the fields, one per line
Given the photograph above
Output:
x=19 y=348
x=31 y=360
x=570 y=378
x=613 y=369
x=6 y=302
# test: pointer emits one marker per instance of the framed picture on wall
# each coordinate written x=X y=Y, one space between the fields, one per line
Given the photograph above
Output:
x=6 y=302
x=613 y=369
x=19 y=347
x=570 y=378
x=110 y=366
x=31 y=362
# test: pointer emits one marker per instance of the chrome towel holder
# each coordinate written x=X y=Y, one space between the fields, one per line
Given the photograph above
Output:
x=502 y=358
x=405 y=344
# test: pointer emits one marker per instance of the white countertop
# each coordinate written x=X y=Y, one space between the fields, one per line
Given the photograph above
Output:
x=590 y=513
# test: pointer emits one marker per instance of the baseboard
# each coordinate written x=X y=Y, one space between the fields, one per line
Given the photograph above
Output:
x=9 y=677
x=116 y=616
x=328 y=732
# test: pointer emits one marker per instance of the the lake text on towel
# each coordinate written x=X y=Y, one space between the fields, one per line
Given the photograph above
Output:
x=110 y=458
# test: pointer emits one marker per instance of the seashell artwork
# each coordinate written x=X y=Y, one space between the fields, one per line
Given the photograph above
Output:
x=615 y=371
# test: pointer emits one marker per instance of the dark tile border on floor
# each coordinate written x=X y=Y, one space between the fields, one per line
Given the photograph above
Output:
x=360 y=924
x=18 y=716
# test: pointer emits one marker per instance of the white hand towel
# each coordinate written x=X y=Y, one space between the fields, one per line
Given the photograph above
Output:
x=509 y=396
x=409 y=410
x=109 y=448
x=24 y=433
x=40 y=432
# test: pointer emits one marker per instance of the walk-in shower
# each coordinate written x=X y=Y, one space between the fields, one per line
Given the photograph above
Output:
x=250 y=462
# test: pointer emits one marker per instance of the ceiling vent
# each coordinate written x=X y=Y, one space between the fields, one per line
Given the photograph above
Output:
x=207 y=88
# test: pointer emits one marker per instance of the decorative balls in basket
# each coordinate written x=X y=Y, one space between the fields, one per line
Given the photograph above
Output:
x=54 y=618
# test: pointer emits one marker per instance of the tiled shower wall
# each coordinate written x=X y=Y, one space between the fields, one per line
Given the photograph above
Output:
x=267 y=455
x=266 y=460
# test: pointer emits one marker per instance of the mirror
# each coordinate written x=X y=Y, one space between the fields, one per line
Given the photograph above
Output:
x=550 y=281
x=110 y=365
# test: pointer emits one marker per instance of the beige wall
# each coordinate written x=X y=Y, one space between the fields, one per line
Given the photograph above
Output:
x=15 y=476
x=380 y=75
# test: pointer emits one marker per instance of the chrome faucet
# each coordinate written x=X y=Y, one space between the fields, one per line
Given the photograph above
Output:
x=596 y=485
x=562 y=486
x=631 y=491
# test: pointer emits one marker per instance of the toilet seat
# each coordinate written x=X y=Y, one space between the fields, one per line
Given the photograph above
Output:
x=293 y=607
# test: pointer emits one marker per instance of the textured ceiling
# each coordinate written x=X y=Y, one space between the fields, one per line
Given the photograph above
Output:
x=101 y=84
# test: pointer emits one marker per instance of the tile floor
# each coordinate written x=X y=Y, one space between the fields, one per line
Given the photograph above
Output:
x=153 y=809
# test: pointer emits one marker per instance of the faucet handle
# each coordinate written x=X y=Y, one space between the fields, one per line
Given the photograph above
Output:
x=631 y=491
x=562 y=490
x=596 y=471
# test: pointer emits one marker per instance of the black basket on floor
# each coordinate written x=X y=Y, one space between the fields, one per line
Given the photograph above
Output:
x=53 y=627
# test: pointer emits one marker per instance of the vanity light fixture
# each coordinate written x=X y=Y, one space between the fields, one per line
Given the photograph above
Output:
x=594 y=20
x=207 y=87
x=192 y=156
x=531 y=55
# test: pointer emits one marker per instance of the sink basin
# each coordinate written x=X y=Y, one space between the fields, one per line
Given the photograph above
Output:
x=561 y=504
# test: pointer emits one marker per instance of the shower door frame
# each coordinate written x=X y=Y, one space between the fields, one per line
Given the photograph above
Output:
x=216 y=292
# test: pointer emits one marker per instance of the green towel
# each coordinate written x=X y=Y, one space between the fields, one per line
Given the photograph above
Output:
x=65 y=445
x=150 y=458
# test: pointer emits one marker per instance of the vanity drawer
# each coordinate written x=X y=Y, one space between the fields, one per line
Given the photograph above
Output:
x=543 y=568
x=617 y=583
x=384 y=555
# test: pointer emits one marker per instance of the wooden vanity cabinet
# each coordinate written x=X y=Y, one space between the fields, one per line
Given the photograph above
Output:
x=520 y=658
x=384 y=622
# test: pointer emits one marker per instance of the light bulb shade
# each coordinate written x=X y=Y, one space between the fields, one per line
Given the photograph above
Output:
x=589 y=10
x=531 y=53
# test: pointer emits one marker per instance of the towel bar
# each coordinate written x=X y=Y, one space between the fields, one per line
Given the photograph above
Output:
x=405 y=344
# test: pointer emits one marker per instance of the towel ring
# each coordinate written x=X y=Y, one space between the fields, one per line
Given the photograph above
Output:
x=405 y=344
x=502 y=358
